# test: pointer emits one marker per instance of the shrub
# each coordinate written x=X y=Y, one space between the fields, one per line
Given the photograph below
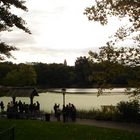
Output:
x=129 y=111
x=124 y=111
x=105 y=113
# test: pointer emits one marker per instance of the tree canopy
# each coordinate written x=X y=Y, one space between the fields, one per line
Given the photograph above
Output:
x=129 y=9
x=120 y=66
x=8 y=20
x=23 y=75
x=109 y=55
x=121 y=55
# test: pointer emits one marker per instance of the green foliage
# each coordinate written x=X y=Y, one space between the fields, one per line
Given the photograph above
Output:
x=24 y=75
x=84 y=74
x=54 y=75
x=83 y=70
x=109 y=55
x=108 y=113
x=120 y=66
x=4 y=69
x=129 y=111
x=39 y=130
x=124 y=111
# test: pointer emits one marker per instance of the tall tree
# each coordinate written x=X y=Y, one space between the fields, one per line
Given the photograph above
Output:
x=23 y=75
x=103 y=9
x=9 y=20
x=83 y=70
x=5 y=67
x=118 y=64
x=124 y=9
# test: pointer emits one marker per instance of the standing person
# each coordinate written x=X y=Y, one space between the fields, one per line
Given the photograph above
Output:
x=70 y=111
x=55 y=109
x=58 y=113
x=67 y=113
x=20 y=106
x=73 y=113
x=2 y=106
x=64 y=113
x=37 y=106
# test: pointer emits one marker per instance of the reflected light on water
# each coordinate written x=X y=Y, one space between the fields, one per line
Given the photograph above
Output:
x=81 y=101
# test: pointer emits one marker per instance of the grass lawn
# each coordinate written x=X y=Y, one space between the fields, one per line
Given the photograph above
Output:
x=41 y=130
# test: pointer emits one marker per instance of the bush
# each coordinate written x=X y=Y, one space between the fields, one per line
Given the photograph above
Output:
x=129 y=111
x=124 y=111
x=107 y=113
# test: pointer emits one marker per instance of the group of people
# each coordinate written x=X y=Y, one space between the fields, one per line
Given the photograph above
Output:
x=20 y=107
x=68 y=112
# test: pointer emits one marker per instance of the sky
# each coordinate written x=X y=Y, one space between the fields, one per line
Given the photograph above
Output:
x=60 y=31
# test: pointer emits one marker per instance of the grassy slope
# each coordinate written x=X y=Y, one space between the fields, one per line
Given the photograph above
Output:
x=40 y=130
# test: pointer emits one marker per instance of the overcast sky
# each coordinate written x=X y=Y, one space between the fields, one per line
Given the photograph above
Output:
x=60 y=31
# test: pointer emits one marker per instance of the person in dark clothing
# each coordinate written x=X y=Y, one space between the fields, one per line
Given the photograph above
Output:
x=2 y=106
x=67 y=113
x=55 y=109
x=64 y=113
x=58 y=114
x=73 y=113
x=37 y=106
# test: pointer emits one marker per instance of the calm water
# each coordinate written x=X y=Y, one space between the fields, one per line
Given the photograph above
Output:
x=81 y=98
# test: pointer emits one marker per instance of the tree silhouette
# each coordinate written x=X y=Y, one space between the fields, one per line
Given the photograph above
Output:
x=9 y=20
x=100 y=12
x=103 y=9
x=23 y=75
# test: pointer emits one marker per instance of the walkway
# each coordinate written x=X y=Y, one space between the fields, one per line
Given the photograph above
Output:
x=132 y=127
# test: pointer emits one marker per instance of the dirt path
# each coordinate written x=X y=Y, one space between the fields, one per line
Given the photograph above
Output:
x=108 y=124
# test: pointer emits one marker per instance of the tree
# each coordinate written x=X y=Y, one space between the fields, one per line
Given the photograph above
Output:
x=119 y=8
x=121 y=55
x=57 y=75
x=120 y=64
x=5 y=67
x=83 y=70
x=9 y=20
x=23 y=75
x=123 y=9
x=54 y=75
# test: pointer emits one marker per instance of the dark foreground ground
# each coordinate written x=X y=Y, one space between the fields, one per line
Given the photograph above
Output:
x=128 y=126
x=131 y=127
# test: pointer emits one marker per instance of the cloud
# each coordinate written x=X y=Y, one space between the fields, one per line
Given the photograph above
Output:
x=17 y=38
x=52 y=52
x=48 y=55
x=59 y=31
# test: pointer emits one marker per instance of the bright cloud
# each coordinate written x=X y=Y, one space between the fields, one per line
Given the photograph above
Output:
x=60 y=31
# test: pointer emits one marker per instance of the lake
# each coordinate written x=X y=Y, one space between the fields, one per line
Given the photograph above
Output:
x=82 y=98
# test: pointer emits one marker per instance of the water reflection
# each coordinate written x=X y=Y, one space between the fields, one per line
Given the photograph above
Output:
x=81 y=101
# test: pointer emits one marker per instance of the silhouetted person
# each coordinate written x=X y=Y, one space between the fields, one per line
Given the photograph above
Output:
x=73 y=113
x=37 y=106
x=67 y=113
x=20 y=106
x=58 y=113
x=2 y=106
x=64 y=113
x=55 y=109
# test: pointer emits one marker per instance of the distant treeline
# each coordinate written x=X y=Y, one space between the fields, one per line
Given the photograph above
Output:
x=83 y=74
